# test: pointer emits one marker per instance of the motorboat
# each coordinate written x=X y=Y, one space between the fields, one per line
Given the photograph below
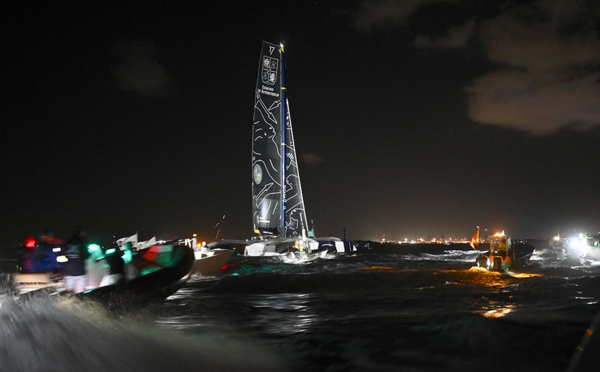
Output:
x=504 y=254
x=159 y=271
x=210 y=261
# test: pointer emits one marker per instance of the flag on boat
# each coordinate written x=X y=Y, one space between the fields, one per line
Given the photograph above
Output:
x=147 y=243
x=475 y=239
x=133 y=239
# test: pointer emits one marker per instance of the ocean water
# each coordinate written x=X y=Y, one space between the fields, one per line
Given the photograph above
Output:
x=417 y=311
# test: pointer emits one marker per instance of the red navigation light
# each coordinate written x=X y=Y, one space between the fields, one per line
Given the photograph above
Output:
x=224 y=268
x=29 y=241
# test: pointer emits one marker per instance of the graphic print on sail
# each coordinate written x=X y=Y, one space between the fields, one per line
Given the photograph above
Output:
x=277 y=201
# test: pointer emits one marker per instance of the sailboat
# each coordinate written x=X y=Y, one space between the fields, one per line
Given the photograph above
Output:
x=278 y=212
x=277 y=201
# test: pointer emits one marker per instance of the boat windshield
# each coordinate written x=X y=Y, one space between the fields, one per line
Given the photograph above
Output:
x=499 y=244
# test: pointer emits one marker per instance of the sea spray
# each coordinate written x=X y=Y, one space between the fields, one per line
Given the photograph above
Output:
x=50 y=333
x=360 y=312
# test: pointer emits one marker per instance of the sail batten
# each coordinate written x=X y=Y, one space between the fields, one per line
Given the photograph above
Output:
x=278 y=204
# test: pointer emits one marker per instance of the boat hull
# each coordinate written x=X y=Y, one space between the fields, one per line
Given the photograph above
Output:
x=158 y=282
x=493 y=262
x=27 y=282
x=161 y=273
x=498 y=262
x=211 y=265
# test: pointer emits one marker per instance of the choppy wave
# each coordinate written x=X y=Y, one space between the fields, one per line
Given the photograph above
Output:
x=415 y=311
x=57 y=334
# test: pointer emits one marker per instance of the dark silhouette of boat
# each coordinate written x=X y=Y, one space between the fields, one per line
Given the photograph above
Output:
x=161 y=271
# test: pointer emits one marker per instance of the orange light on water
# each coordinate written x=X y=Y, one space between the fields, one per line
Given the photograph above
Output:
x=497 y=313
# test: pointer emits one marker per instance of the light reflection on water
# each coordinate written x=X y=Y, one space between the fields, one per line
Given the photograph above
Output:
x=494 y=309
x=273 y=313
x=280 y=314
x=381 y=312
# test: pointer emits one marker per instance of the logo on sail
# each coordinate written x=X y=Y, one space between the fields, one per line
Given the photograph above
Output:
x=258 y=174
x=269 y=70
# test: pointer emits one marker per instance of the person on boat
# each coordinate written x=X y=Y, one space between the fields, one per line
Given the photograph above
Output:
x=96 y=267
x=131 y=271
x=503 y=247
x=114 y=258
x=25 y=254
x=44 y=255
x=74 y=269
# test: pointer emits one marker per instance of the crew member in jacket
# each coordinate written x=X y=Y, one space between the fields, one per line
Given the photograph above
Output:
x=74 y=269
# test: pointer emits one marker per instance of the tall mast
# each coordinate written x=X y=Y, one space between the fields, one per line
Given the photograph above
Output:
x=283 y=140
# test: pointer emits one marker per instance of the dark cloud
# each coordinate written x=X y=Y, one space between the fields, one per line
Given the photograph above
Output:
x=549 y=77
x=380 y=13
x=138 y=70
x=538 y=104
x=547 y=54
x=457 y=37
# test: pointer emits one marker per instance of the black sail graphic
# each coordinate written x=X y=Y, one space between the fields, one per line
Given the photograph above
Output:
x=277 y=203
x=295 y=216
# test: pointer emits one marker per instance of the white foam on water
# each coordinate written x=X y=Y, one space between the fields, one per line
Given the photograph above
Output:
x=58 y=334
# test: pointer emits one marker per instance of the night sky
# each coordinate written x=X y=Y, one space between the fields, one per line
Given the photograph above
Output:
x=416 y=118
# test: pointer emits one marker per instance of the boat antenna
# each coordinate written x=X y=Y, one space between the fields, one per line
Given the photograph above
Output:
x=218 y=226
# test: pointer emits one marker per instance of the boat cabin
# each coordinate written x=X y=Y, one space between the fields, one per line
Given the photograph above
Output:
x=499 y=245
x=500 y=255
